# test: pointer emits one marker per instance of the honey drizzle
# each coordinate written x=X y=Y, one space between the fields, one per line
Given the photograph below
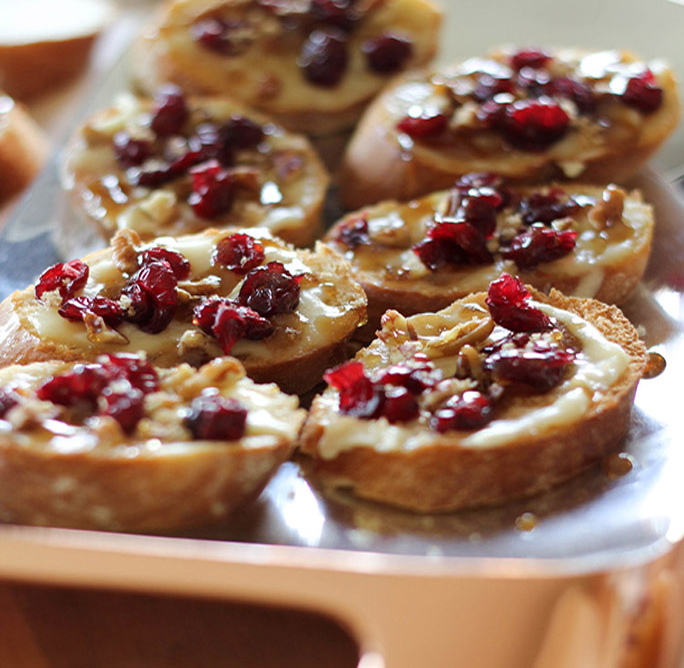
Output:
x=655 y=365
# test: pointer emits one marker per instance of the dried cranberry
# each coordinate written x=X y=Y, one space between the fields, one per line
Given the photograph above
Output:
x=533 y=82
x=539 y=244
x=354 y=232
x=204 y=314
x=7 y=400
x=213 y=190
x=126 y=407
x=229 y=322
x=215 y=34
x=387 y=53
x=152 y=291
x=476 y=196
x=492 y=114
x=158 y=177
x=153 y=178
x=216 y=418
x=507 y=302
x=210 y=33
x=241 y=133
x=456 y=243
x=212 y=143
x=416 y=377
x=184 y=162
x=470 y=410
x=130 y=152
x=425 y=126
x=359 y=396
x=271 y=289
x=435 y=253
x=546 y=207
x=180 y=265
x=643 y=93
x=323 y=57
x=465 y=235
x=488 y=86
x=135 y=369
x=577 y=91
x=77 y=308
x=541 y=366
x=232 y=323
x=239 y=253
x=68 y=278
x=117 y=383
x=533 y=125
x=399 y=405
x=140 y=306
x=82 y=385
x=170 y=111
x=336 y=13
x=534 y=58
x=479 y=209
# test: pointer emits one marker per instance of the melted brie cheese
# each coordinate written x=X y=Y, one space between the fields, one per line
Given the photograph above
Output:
x=322 y=316
x=598 y=366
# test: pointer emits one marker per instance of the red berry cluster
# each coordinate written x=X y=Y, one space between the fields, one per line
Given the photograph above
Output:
x=114 y=386
x=209 y=156
x=459 y=236
x=535 y=119
x=214 y=417
x=149 y=299
x=354 y=232
x=266 y=291
x=516 y=359
x=324 y=55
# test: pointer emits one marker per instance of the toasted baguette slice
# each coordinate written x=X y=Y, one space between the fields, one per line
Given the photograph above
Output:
x=23 y=148
x=256 y=52
x=536 y=436
x=78 y=459
x=400 y=268
x=45 y=43
x=266 y=176
x=596 y=117
x=304 y=332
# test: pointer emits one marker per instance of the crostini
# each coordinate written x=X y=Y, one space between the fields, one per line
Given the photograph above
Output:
x=313 y=65
x=43 y=43
x=23 y=148
x=286 y=314
x=528 y=114
x=501 y=395
x=117 y=444
x=177 y=165
x=585 y=240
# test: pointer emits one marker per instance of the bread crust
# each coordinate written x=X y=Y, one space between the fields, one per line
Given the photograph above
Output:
x=266 y=77
x=444 y=475
x=124 y=494
x=377 y=166
x=609 y=271
x=23 y=148
x=90 y=161
x=294 y=361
